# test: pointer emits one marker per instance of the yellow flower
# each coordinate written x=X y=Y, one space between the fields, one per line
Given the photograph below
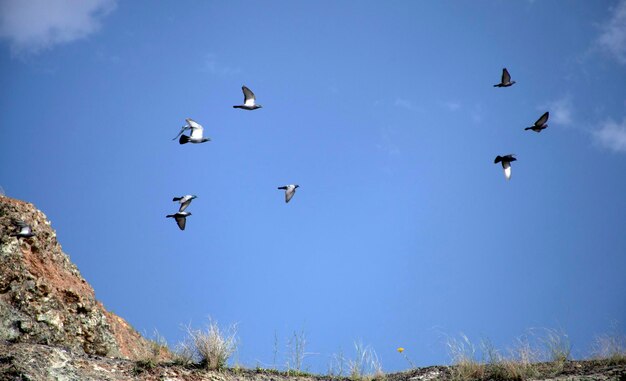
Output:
x=400 y=349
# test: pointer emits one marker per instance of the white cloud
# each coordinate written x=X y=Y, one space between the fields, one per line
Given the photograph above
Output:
x=612 y=135
x=613 y=37
x=35 y=25
x=561 y=111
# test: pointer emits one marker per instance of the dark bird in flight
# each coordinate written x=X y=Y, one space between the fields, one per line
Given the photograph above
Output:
x=23 y=230
x=249 y=100
x=196 y=133
x=540 y=124
x=506 y=79
x=506 y=164
x=184 y=201
x=181 y=218
x=290 y=190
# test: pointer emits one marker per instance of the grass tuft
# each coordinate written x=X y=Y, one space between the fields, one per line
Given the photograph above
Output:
x=463 y=353
x=296 y=346
x=365 y=365
x=610 y=348
x=157 y=351
x=211 y=347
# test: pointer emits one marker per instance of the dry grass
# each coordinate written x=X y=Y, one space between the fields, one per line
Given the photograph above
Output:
x=610 y=348
x=463 y=354
x=517 y=365
x=155 y=353
x=364 y=366
x=211 y=347
x=557 y=345
x=540 y=353
x=520 y=363
x=296 y=346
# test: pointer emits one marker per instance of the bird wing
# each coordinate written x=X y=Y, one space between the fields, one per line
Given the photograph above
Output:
x=181 y=131
x=196 y=131
x=192 y=123
x=248 y=96
x=283 y=187
x=181 y=221
x=497 y=159
x=506 y=77
x=543 y=119
x=289 y=193
x=184 y=204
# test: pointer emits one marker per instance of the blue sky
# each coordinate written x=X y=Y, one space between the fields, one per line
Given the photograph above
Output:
x=402 y=231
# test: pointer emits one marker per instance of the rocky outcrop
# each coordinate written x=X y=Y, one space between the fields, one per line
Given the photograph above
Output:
x=45 y=300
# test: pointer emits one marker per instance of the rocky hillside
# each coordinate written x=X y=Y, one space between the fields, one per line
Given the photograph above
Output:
x=45 y=300
x=53 y=328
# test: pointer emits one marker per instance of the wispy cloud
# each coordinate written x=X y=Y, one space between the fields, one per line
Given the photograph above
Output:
x=404 y=103
x=386 y=142
x=35 y=25
x=612 y=135
x=212 y=65
x=452 y=105
x=561 y=111
x=477 y=113
x=613 y=37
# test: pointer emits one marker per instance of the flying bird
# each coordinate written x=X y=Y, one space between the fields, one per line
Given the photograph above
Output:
x=506 y=164
x=23 y=230
x=196 y=133
x=184 y=201
x=181 y=218
x=540 y=124
x=249 y=100
x=290 y=190
x=506 y=79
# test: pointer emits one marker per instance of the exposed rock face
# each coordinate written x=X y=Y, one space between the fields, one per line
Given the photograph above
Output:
x=44 y=299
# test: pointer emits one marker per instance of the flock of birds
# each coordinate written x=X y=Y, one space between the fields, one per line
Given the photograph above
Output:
x=196 y=136
x=540 y=124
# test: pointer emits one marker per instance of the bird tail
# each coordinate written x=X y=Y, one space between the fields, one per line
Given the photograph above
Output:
x=177 y=198
x=183 y=139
